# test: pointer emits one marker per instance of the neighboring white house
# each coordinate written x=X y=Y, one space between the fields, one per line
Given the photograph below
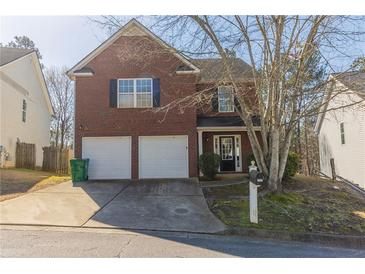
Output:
x=25 y=106
x=341 y=131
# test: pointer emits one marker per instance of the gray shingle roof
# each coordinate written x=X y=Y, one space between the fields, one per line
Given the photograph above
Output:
x=354 y=80
x=212 y=70
x=8 y=55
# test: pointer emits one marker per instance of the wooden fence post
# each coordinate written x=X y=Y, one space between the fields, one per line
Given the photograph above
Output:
x=56 y=159
x=25 y=155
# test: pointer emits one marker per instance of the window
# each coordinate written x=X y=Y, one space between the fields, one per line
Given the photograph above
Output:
x=227 y=148
x=342 y=131
x=134 y=93
x=24 y=111
x=225 y=99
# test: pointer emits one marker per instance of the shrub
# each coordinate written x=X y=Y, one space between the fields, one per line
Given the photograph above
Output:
x=250 y=158
x=208 y=164
x=292 y=164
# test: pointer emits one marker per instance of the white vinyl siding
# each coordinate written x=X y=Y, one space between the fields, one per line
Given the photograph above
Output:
x=163 y=157
x=30 y=122
x=350 y=157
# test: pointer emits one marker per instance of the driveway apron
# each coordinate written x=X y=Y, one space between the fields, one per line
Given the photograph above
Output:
x=170 y=205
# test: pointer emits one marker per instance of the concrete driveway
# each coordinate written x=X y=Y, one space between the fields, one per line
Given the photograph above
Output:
x=171 y=205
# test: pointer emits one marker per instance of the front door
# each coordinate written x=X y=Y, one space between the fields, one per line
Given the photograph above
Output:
x=227 y=153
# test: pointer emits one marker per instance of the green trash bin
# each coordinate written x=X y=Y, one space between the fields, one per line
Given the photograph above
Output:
x=79 y=169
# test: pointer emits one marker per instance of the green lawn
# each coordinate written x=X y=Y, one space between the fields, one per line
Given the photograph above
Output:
x=308 y=204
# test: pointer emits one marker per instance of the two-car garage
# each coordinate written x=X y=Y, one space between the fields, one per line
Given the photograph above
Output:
x=158 y=157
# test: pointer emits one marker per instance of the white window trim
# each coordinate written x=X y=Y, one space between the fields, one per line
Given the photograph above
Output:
x=219 y=104
x=135 y=92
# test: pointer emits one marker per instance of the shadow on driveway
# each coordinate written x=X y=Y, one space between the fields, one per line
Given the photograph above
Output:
x=168 y=205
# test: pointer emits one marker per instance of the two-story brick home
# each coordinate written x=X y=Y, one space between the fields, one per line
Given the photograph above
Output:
x=120 y=88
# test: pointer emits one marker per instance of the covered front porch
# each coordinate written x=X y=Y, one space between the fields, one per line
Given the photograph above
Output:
x=227 y=137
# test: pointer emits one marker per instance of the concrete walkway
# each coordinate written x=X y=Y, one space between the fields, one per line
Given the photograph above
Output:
x=172 y=205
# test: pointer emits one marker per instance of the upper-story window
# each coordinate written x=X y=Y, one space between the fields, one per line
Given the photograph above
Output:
x=24 y=111
x=135 y=93
x=342 y=132
x=225 y=99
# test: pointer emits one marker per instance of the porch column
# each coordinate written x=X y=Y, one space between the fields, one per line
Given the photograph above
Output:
x=200 y=146
x=200 y=142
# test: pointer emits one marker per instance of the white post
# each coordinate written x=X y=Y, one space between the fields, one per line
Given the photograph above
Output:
x=253 y=197
x=200 y=146
x=200 y=142
x=253 y=204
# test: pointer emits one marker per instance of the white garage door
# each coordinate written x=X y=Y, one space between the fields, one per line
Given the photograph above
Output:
x=110 y=157
x=163 y=157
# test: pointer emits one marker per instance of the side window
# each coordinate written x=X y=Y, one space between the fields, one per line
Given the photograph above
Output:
x=24 y=111
x=342 y=132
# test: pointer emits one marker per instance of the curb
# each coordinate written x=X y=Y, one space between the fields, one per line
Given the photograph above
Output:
x=335 y=240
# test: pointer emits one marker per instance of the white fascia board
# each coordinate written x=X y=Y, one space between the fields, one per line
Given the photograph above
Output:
x=187 y=72
x=83 y=74
x=16 y=60
x=256 y=128
x=42 y=81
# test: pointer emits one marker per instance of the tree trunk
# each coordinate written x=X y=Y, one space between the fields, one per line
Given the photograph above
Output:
x=308 y=168
x=273 y=181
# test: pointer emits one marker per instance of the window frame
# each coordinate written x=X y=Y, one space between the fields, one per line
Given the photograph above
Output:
x=134 y=92
x=342 y=133
x=219 y=103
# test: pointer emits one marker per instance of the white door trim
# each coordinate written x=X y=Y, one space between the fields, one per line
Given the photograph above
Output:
x=216 y=149
x=163 y=136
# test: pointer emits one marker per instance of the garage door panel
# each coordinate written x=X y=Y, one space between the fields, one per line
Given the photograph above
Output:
x=109 y=157
x=163 y=157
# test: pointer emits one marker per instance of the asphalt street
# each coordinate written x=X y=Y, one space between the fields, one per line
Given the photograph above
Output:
x=40 y=241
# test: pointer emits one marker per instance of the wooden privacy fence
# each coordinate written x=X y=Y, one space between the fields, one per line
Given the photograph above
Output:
x=57 y=160
x=25 y=155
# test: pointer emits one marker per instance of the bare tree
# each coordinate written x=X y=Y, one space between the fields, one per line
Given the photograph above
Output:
x=61 y=92
x=279 y=88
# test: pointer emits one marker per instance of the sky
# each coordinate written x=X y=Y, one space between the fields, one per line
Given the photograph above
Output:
x=61 y=40
x=65 y=40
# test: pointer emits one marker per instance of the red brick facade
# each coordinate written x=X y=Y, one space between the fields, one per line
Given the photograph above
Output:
x=126 y=59
x=141 y=57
